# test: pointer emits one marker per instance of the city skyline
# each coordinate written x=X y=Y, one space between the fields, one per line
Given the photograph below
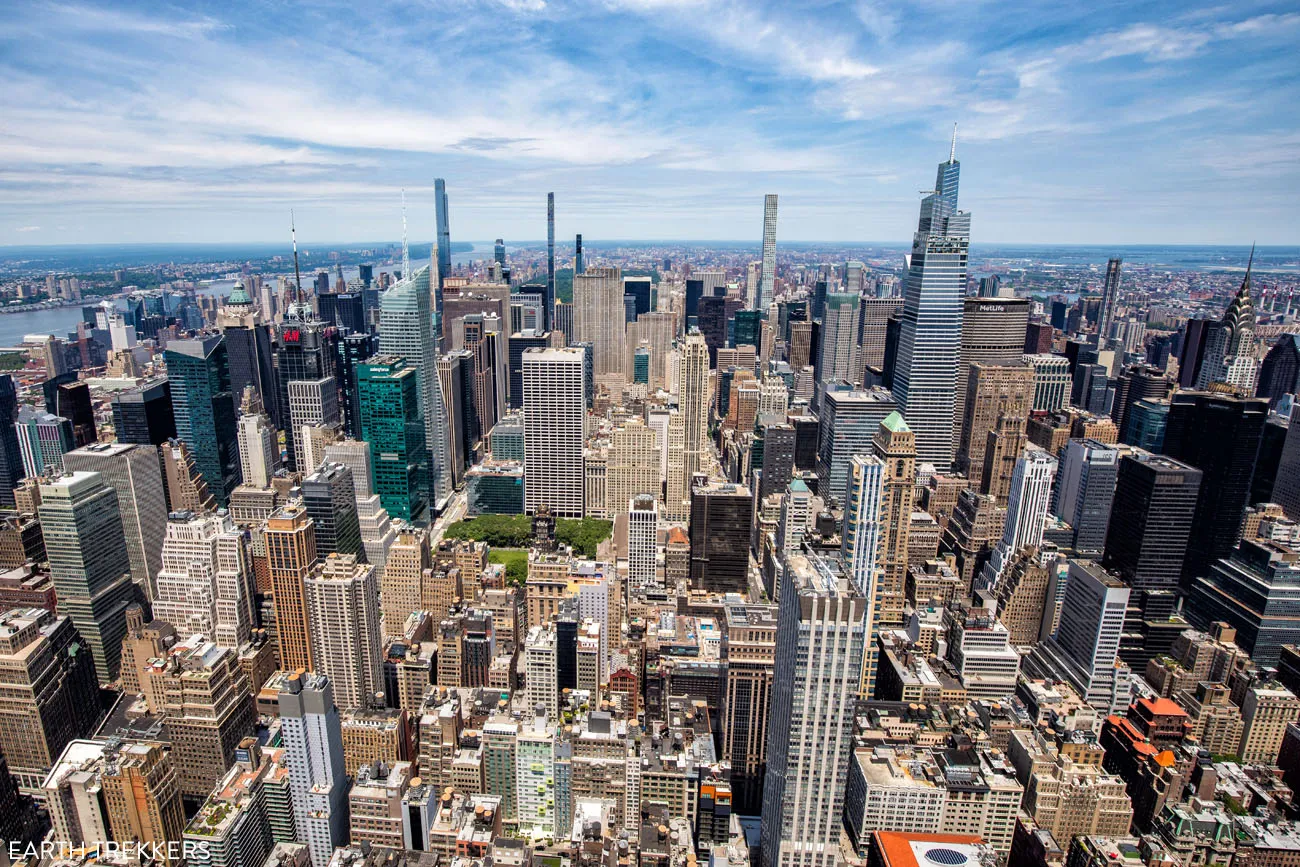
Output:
x=1087 y=129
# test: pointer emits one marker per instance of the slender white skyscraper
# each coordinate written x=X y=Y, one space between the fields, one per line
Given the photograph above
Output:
x=862 y=549
x=407 y=329
x=642 y=541
x=258 y=453
x=929 y=341
x=819 y=647
x=318 y=781
x=555 y=410
x=693 y=394
x=767 y=276
x=1027 y=505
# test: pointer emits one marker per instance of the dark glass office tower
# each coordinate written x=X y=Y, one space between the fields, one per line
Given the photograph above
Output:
x=352 y=350
x=305 y=352
x=713 y=324
x=520 y=341
x=331 y=502
x=144 y=415
x=778 y=458
x=694 y=292
x=1151 y=520
x=639 y=288
x=1189 y=361
x=344 y=310
x=1279 y=375
x=249 y=348
x=749 y=328
x=11 y=459
x=1268 y=463
x=719 y=532
x=199 y=372
x=1220 y=435
x=66 y=397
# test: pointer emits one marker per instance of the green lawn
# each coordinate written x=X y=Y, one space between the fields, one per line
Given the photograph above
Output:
x=515 y=531
x=515 y=561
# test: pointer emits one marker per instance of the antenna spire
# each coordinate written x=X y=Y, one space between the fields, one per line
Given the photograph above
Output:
x=297 y=275
x=406 y=250
x=1245 y=284
x=952 y=153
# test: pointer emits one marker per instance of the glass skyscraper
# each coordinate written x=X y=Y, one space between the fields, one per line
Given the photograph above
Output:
x=929 y=341
x=199 y=372
x=406 y=329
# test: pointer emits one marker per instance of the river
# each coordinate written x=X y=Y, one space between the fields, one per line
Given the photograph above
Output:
x=62 y=320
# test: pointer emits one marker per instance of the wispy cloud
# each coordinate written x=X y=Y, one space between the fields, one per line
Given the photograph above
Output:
x=659 y=118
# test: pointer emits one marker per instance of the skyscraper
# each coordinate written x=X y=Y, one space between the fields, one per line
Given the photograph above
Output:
x=305 y=353
x=11 y=460
x=750 y=644
x=929 y=342
x=1220 y=435
x=693 y=394
x=839 y=340
x=819 y=650
x=142 y=415
x=204 y=407
x=313 y=741
x=549 y=300
x=992 y=333
x=135 y=475
x=861 y=545
x=1085 y=646
x=555 y=411
x=721 y=514
x=250 y=351
x=895 y=445
x=642 y=542
x=331 y=503
x=89 y=563
x=389 y=404
x=444 y=238
x=579 y=266
x=259 y=447
x=848 y=424
x=406 y=330
x=205 y=586
x=290 y=539
x=1027 y=503
x=343 y=605
x=767 y=277
x=1151 y=520
x=48 y=693
x=1109 y=301
x=1085 y=492
x=598 y=316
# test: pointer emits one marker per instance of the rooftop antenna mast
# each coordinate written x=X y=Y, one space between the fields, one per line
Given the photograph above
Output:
x=406 y=250
x=297 y=275
x=952 y=153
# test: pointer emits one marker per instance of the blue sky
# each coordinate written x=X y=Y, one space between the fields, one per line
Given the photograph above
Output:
x=1078 y=122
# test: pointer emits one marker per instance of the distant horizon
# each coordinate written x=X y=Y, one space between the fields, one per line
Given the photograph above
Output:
x=590 y=243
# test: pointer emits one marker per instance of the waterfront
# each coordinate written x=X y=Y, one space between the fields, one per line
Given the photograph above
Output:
x=60 y=321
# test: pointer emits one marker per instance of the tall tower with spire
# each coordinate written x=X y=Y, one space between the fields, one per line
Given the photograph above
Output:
x=929 y=341
x=1230 y=343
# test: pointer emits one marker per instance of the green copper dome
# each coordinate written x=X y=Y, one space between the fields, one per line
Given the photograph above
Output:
x=239 y=295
